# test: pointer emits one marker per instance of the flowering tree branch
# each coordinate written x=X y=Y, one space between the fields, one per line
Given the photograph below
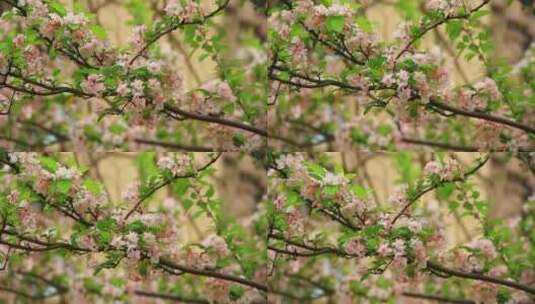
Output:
x=340 y=68
x=381 y=254
x=125 y=237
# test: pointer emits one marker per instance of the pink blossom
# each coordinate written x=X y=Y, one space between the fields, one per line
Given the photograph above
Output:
x=279 y=202
x=332 y=179
x=498 y=271
x=118 y=242
x=152 y=246
x=65 y=173
x=224 y=90
x=18 y=41
x=488 y=85
x=485 y=246
x=433 y=167
x=295 y=221
x=133 y=254
x=93 y=84
x=173 y=8
x=131 y=239
x=355 y=247
x=359 y=81
x=177 y=164
x=122 y=89
x=384 y=249
x=217 y=290
x=137 y=38
x=398 y=247
x=419 y=251
x=13 y=197
x=402 y=78
x=399 y=197
x=388 y=79
x=154 y=85
x=88 y=242
x=402 y=33
x=184 y=12
x=484 y=292
x=138 y=87
x=355 y=206
x=218 y=244
x=155 y=67
x=132 y=193
x=51 y=25
x=436 y=4
x=74 y=19
x=298 y=52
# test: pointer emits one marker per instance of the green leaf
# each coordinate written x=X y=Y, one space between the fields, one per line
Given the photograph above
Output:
x=104 y=238
x=478 y=15
x=113 y=259
x=93 y=186
x=236 y=292
x=106 y=224
x=359 y=191
x=365 y=24
x=57 y=8
x=330 y=190
x=453 y=205
x=444 y=191
x=49 y=164
x=238 y=140
x=61 y=186
x=140 y=11
x=316 y=171
x=187 y=203
x=376 y=63
x=408 y=8
x=181 y=186
x=99 y=32
x=454 y=29
x=335 y=23
x=146 y=165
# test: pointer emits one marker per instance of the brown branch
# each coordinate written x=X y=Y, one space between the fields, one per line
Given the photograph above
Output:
x=213 y=119
x=483 y=116
x=479 y=277
x=175 y=147
x=434 y=186
x=208 y=273
x=167 y=182
x=176 y=26
x=438 y=23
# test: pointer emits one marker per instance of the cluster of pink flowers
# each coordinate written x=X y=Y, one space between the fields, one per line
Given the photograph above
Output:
x=445 y=170
x=88 y=242
x=333 y=179
x=217 y=244
x=489 y=87
x=132 y=192
x=93 y=84
x=486 y=247
x=399 y=197
x=184 y=12
x=448 y=6
x=178 y=164
x=355 y=247
x=221 y=89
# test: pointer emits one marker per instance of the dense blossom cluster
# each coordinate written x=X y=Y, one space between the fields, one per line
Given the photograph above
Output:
x=49 y=55
x=321 y=54
x=332 y=231
x=118 y=249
